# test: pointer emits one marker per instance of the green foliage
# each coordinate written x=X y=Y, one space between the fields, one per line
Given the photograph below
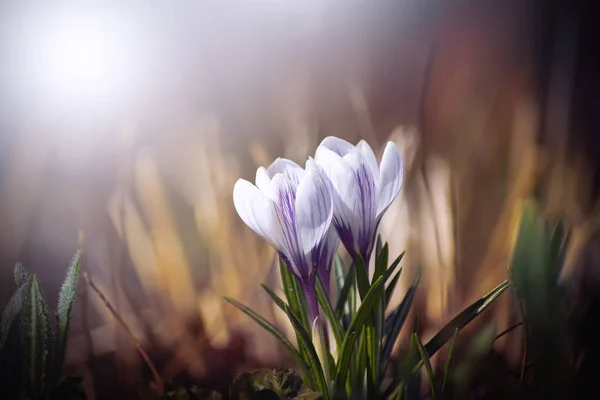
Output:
x=535 y=272
x=35 y=337
x=37 y=353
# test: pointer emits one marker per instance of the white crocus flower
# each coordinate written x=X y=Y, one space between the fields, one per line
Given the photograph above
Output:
x=362 y=190
x=291 y=208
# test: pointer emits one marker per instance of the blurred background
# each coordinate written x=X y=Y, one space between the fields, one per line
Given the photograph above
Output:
x=123 y=129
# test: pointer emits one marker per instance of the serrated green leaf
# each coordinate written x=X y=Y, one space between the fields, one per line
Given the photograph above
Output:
x=369 y=302
x=64 y=310
x=34 y=335
x=345 y=292
x=273 y=331
x=21 y=275
x=425 y=360
x=398 y=320
x=334 y=322
x=11 y=312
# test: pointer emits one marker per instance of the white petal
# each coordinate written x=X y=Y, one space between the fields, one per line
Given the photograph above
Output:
x=337 y=145
x=367 y=194
x=257 y=211
x=341 y=176
x=391 y=177
x=369 y=158
x=313 y=209
x=286 y=167
x=263 y=180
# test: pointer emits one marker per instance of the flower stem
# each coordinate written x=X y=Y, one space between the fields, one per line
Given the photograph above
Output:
x=311 y=299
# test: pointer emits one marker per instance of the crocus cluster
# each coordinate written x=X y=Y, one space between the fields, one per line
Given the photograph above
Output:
x=340 y=195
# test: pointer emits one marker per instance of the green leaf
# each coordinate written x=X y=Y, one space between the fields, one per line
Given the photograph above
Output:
x=378 y=247
x=273 y=331
x=389 y=291
x=278 y=301
x=362 y=277
x=425 y=360
x=21 y=275
x=449 y=360
x=334 y=322
x=294 y=295
x=397 y=322
x=34 y=335
x=279 y=383
x=393 y=266
x=64 y=310
x=11 y=312
x=369 y=302
x=462 y=319
x=348 y=286
x=381 y=262
x=314 y=363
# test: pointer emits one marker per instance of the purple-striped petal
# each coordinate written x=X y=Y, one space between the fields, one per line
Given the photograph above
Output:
x=286 y=167
x=391 y=177
x=313 y=210
x=257 y=211
x=369 y=158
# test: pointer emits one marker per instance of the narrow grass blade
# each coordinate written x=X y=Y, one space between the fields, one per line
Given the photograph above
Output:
x=314 y=363
x=339 y=273
x=34 y=335
x=334 y=322
x=389 y=291
x=397 y=322
x=294 y=294
x=378 y=246
x=462 y=319
x=276 y=299
x=64 y=310
x=449 y=360
x=369 y=302
x=348 y=286
x=393 y=266
x=273 y=331
x=362 y=277
x=381 y=262
x=427 y=363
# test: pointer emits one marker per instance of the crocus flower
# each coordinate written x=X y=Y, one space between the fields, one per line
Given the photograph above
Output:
x=362 y=190
x=291 y=208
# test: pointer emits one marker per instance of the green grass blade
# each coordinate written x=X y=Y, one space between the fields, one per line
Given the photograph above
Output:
x=339 y=273
x=34 y=335
x=393 y=266
x=314 y=363
x=378 y=246
x=449 y=360
x=462 y=319
x=294 y=295
x=345 y=292
x=427 y=363
x=334 y=322
x=362 y=277
x=64 y=310
x=276 y=299
x=273 y=331
x=397 y=322
x=363 y=313
x=381 y=262
x=389 y=291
